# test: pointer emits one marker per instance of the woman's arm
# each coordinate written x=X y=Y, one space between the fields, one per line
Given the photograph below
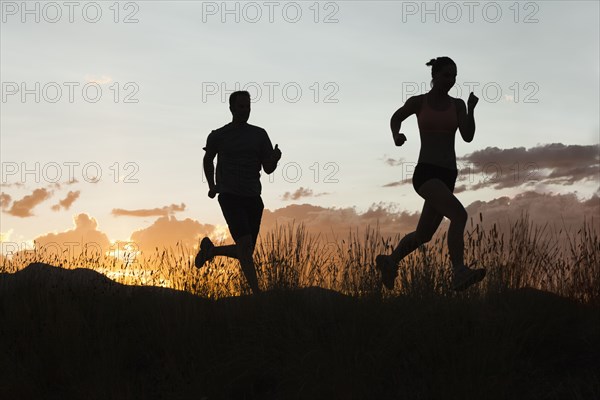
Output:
x=466 y=120
x=410 y=107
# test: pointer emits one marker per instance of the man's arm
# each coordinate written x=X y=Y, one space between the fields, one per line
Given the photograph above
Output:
x=209 y=169
x=209 y=172
x=269 y=156
x=270 y=163
x=207 y=163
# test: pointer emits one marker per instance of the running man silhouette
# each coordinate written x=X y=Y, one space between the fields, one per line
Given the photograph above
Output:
x=242 y=150
x=438 y=117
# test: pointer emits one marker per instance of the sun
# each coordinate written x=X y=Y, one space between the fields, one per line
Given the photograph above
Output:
x=220 y=233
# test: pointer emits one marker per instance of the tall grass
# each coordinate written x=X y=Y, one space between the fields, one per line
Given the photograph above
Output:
x=289 y=257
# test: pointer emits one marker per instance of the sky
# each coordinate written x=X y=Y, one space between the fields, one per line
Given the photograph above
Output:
x=106 y=107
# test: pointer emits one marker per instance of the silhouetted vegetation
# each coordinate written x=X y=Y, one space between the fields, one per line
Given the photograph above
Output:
x=71 y=332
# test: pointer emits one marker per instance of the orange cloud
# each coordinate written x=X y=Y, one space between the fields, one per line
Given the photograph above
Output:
x=58 y=186
x=340 y=221
x=154 y=212
x=555 y=209
x=72 y=241
x=168 y=231
x=104 y=79
x=22 y=208
x=4 y=200
x=15 y=184
x=67 y=201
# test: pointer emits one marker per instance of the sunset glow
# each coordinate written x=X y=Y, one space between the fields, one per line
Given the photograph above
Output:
x=127 y=166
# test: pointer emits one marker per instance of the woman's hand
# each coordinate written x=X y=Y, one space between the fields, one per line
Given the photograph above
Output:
x=399 y=138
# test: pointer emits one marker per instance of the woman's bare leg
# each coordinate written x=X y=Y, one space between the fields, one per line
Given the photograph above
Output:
x=429 y=221
x=437 y=194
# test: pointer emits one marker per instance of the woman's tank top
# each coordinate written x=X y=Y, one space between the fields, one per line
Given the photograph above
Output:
x=430 y=120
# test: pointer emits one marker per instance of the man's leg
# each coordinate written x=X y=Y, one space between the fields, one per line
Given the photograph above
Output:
x=233 y=215
x=245 y=248
x=242 y=250
x=254 y=212
x=229 y=250
x=243 y=216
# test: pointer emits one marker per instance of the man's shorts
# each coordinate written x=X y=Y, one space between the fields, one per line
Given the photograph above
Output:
x=242 y=213
x=425 y=172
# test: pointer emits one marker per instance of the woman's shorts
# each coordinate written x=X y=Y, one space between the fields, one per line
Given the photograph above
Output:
x=425 y=172
x=242 y=213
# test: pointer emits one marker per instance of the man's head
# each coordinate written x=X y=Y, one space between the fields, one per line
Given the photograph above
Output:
x=239 y=105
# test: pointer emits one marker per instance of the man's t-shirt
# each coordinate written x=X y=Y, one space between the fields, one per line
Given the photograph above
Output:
x=241 y=152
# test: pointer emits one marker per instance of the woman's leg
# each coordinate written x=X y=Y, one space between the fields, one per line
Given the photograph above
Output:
x=429 y=221
x=443 y=201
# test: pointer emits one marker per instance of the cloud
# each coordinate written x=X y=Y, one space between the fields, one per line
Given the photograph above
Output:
x=5 y=236
x=167 y=231
x=4 y=200
x=72 y=241
x=299 y=193
x=459 y=188
x=67 y=201
x=339 y=221
x=558 y=210
x=392 y=162
x=15 y=184
x=554 y=163
x=58 y=186
x=22 y=208
x=154 y=212
x=99 y=80
x=397 y=183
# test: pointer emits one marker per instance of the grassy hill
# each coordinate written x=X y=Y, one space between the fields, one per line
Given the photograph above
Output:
x=74 y=334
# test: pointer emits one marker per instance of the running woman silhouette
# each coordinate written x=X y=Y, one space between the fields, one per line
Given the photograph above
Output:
x=242 y=150
x=438 y=117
